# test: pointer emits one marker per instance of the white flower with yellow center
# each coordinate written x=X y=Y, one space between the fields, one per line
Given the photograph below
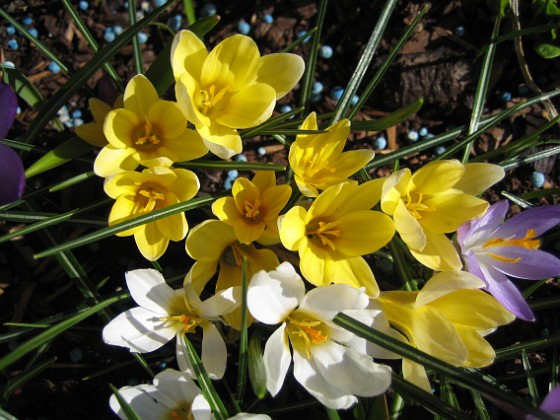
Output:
x=327 y=359
x=165 y=313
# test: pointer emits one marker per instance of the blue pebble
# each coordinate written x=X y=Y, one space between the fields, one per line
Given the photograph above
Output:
x=268 y=18
x=285 y=108
x=301 y=34
x=209 y=9
x=18 y=110
x=175 y=22
x=77 y=113
x=354 y=100
x=9 y=64
x=54 y=67
x=159 y=3
x=261 y=151
x=460 y=30
x=429 y=135
x=117 y=29
x=505 y=96
x=380 y=143
x=77 y=122
x=336 y=93
x=537 y=179
x=76 y=354
x=240 y=158
x=10 y=30
x=83 y=5
x=317 y=87
x=27 y=21
x=423 y=131
x=162 y=365
x=440 y=150
x=142 y=37
x=109 y=35
x=13 y=44
x=326 y=51
x=232 y=174
x=33 y=32
x=243 y=27
x=413 y=135
x=228 y=183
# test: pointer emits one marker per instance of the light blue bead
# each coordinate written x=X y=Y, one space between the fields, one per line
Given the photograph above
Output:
x=175 y=22
x=413 y=135
x=118 y=29
x=33 y=32
x=27 y=21
x=228 y=183
x=285 y=108
x=54 y=67
x=243 y=27
x=317 y=87
x=209 y=9
x=240 y=158
x=505 y=96
x=76 y=354
x=537 y=179
x=336 y=93
x=10 y=30
x=13 y=44
x=77 y=113
x=354 y=100
x=261 y=151
x=429 y=135
x=77 y=122
x=380 y=143
x=460 y=30
x=440 y=150
x=83 y=5
x=301 y=34
x=326 y=51
x=268 y=18
x=159 y=3
x=9 y=64
x=423 y=131
x=232 y=174
x=142 y=37
x=109 y=35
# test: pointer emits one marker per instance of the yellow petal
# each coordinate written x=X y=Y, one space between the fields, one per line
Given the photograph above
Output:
x=120 y=184
x=409 y=229
x=394 y=187
x=98 y=109
x=187 y=146
x=247 y=232
x=92 y=133
x=167 y=119
x=151 y=243
x=207 y=241
x=481 y=353
x=451 y=211
x=188 y=53
x=439 y=253
x=140 y=95
x=416 y=374
x=173 y=227
x=244 y=191
x=357 y=273
x=223 y=141
x=358 y=197
x=436 y=176
x=225 y=209
x=292 y=228
x=363 y=232
x=447 y=282
x=478 y=177
x=186 y=88
x=111 y=160
x=123 y=209
x=249 y=107
x=274 y=199
x=316 y=263
x=310 y=123
x=264 y=180
x=281 y=71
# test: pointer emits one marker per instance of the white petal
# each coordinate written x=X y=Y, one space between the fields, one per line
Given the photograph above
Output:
x=308 y=374
x=201 y=409
x=272 y=296
x=182 y=357
x=223 y=302
x=244 y=416
x=329 y=300
x=277 y=359
x=214 y=351
x=177 y=386
x=143 y=399
x=354 y=372
x=140 y=330
x=149 y=290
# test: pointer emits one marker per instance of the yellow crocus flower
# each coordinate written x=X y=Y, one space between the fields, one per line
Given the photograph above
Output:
x=447 y=319
x=92 y=132
x=229 y=88
x=139 y=193
x=317 y=159
x=333 y=234
x=253 y=209
x=434 y=201
x=147 y=131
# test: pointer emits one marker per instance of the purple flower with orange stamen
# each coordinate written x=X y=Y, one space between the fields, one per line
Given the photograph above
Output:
x=12 y=178
x=494 y=250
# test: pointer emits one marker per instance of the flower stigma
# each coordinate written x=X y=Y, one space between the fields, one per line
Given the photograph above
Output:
x=527 y=242
x=149 y=138
x=210 y=98
x=305 y=332
x=415 y=207
x=252 y=211
x=189 y=322
x=149 y=197
x=325 y=231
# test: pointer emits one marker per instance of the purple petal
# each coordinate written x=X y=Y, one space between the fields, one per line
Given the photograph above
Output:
x=507 y=294
x=534 y=264
x=478 y=230
x=540 y=219
x=551 y=403
x=473 y=267
x=8 y=105
x=12 y=176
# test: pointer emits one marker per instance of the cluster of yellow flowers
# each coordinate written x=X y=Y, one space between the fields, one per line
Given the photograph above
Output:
x=332 y=227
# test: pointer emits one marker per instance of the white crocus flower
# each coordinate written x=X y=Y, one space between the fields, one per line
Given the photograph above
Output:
x=326 y=360
x=173 y=395
x=164 y=313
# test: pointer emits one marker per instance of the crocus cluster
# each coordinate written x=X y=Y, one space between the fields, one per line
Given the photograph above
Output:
x=303 y=250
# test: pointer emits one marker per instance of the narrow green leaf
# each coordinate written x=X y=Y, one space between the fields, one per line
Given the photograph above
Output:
x=67 y=183
x=520 y=161
x=257 y=373
x=129 y=224
x=189 y=11
x=243 y=337
x=51 y=333
x=242 y=166
x=63 y=153
x=389 y=120
x=4 y=415
x=22 y=86
x=127 y=409
x=531 y=383
x=20 y=380
x=204 y=25
x=479 y=405
x=136 y=53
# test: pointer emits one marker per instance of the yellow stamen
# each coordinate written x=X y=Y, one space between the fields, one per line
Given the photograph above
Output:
x=307 y=331
x=152 y=197
x=416 y=207
x=210 y=98
x=149 y=136
x=189 y=322
x=252 y=210
x=325 y=229
x=504 y=259
x=527 y=242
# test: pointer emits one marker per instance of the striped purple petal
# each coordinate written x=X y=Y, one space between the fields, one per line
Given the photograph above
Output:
x=8 y=105
x=532 y=264
x=540 y=219
x=12 y=176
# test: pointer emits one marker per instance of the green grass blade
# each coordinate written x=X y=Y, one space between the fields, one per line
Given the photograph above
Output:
x=51 y=333
x=28 y=375
x=364 y=62
x=136 y=53
x=79 y=79
x=389 y=120
x=243 y=337
x=520 y=161
x=72 y=181
x=257 y=373
x=189 y=11
x=137 y=221
x=479 y=405
x=531 y=383
x=242 y=166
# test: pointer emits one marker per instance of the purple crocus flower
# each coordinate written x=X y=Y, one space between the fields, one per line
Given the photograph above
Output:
x=494 y=250
x=550 y=404
x=12 y=177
